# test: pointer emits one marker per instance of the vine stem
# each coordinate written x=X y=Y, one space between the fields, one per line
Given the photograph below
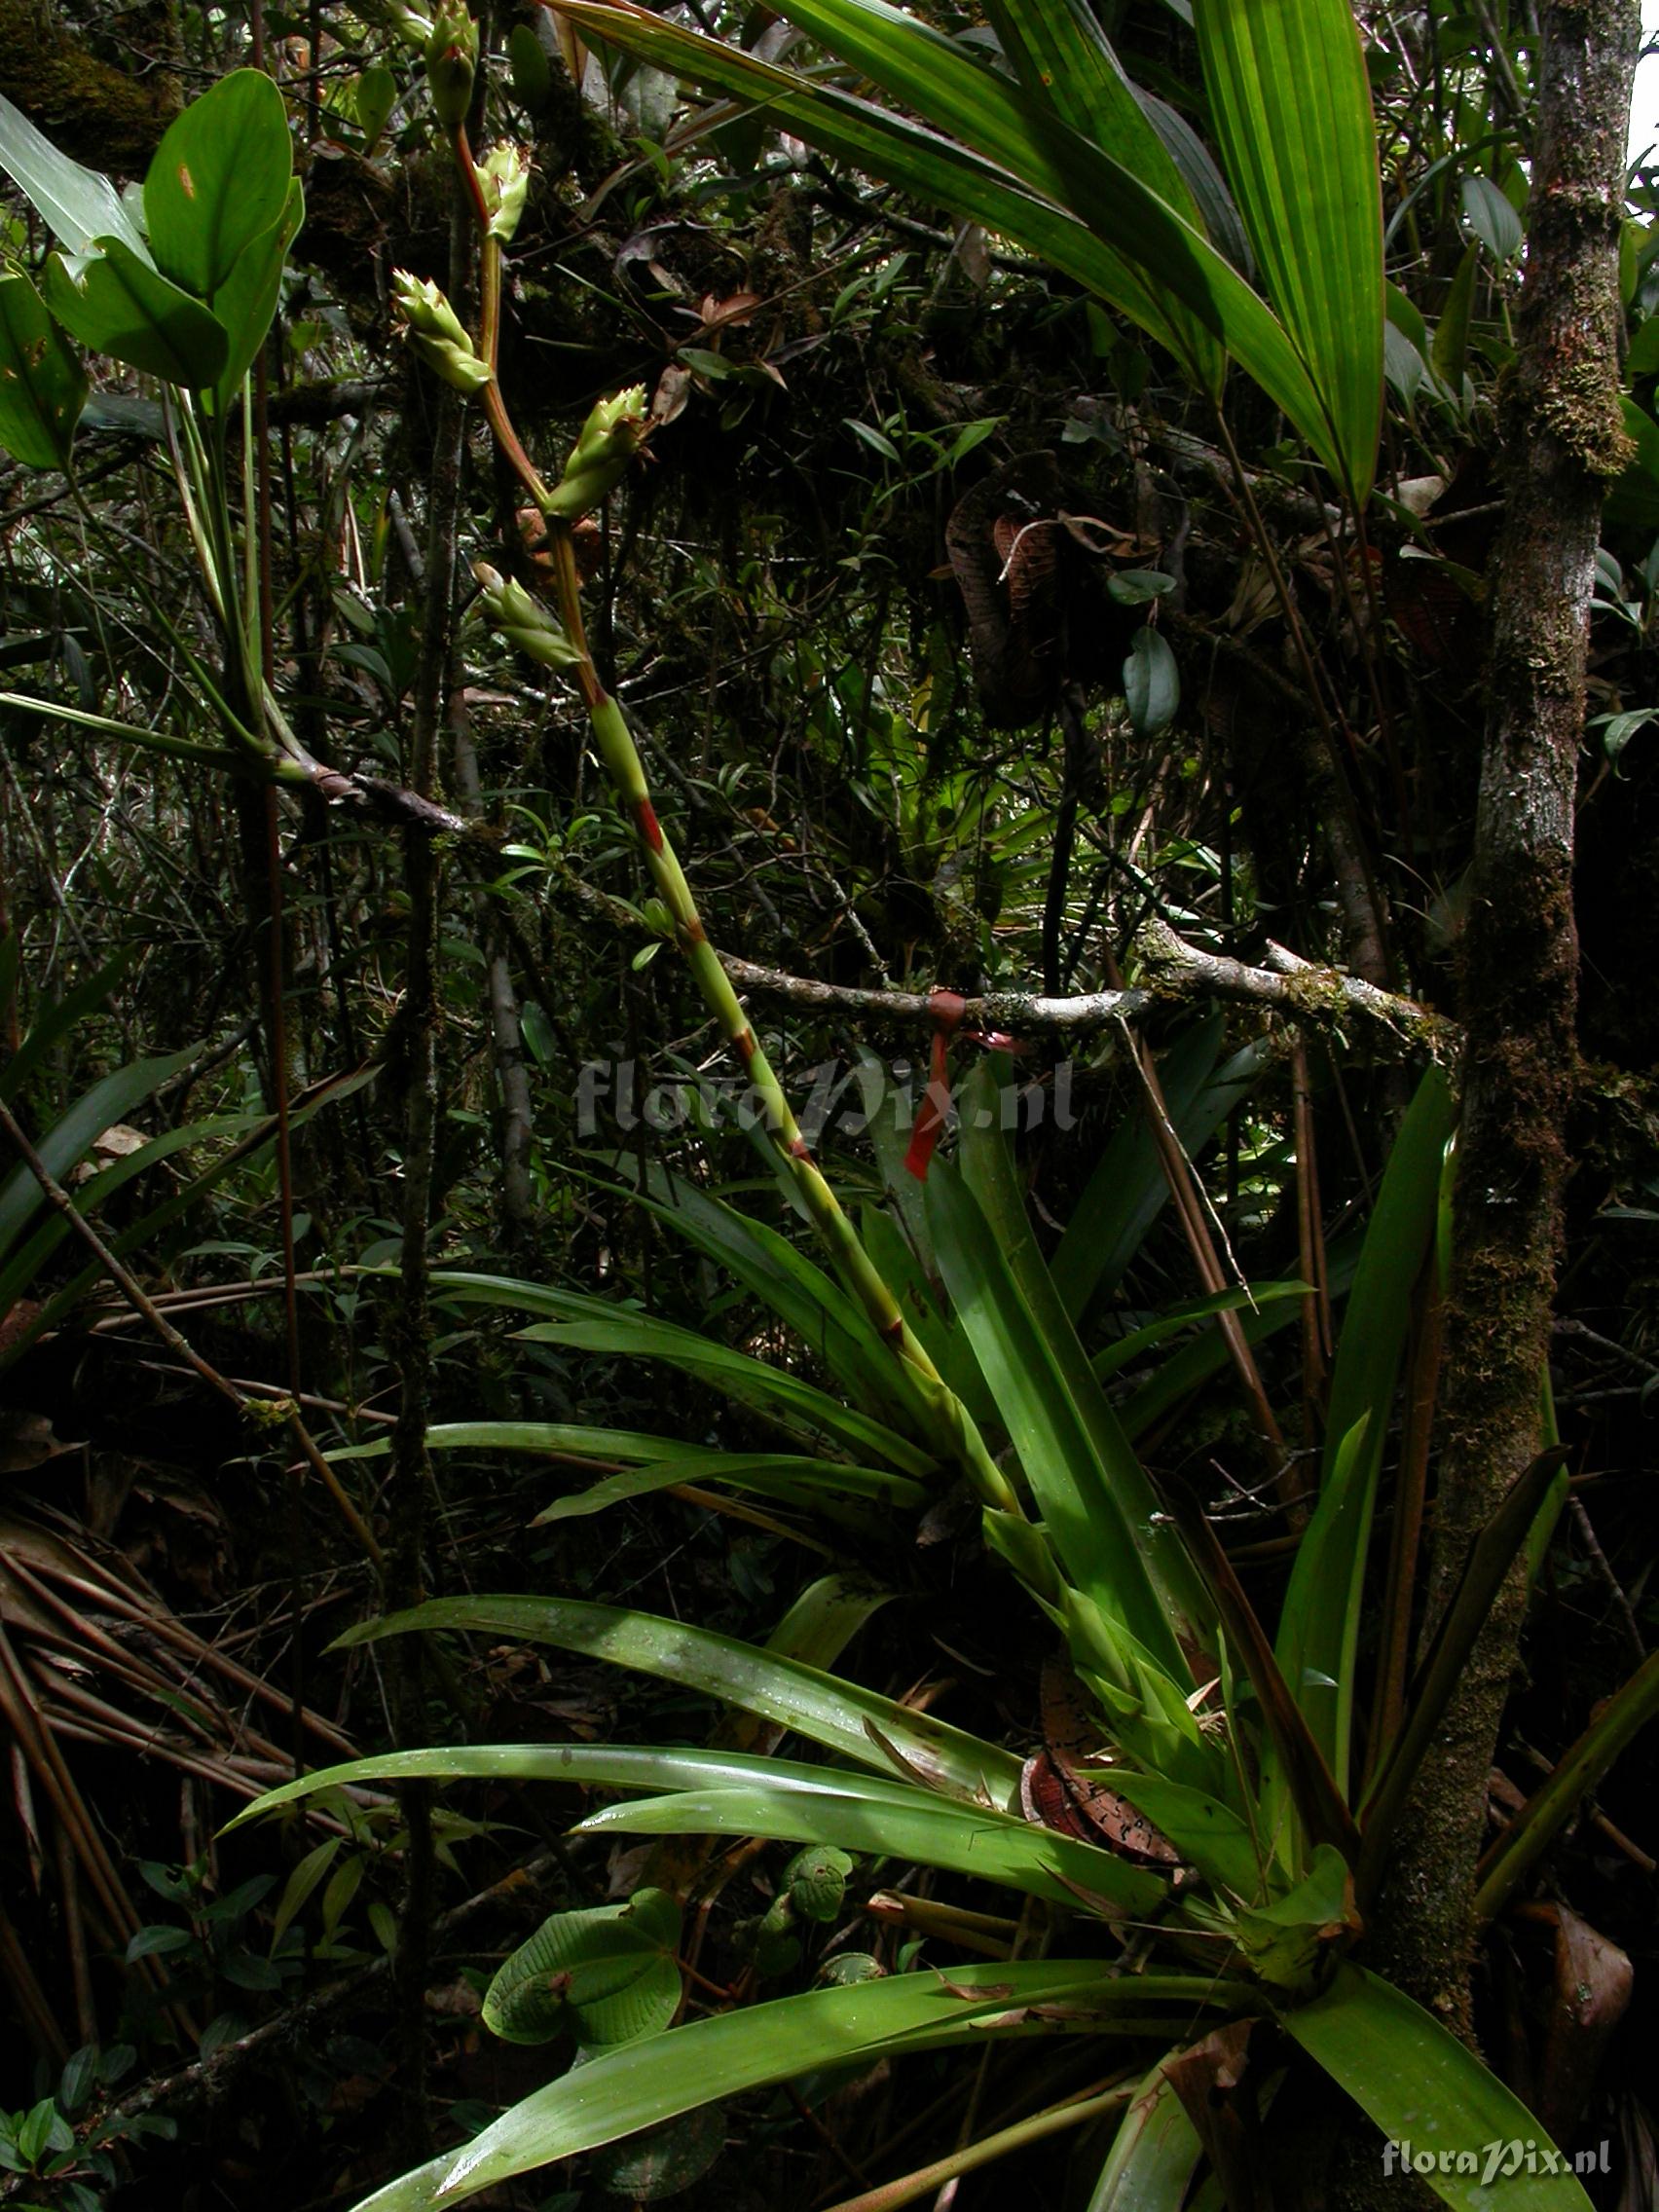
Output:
x=929 y=1397
x=620 y=757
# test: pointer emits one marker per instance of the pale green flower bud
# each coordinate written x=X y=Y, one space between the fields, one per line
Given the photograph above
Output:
x=522 y=619
x=452 y=62
x=503 y=179
x=611 y=437
x=438 y=333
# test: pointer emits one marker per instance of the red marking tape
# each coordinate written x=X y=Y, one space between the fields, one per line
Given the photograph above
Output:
x=948 y=1012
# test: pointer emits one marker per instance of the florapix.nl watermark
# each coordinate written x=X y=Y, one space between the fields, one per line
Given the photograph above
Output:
x=830 y=1099
x=1501 y=2160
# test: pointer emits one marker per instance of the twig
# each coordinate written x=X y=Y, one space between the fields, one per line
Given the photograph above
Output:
x=1603 y=1568
x=59 y=1198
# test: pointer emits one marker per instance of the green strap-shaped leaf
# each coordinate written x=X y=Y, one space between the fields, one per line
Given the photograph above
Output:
x=1319 y=1625
x=1188 y=1370
x=1424 y=2088
x=1629 y=1709
x=826 y=1709
x=71 y=1136
x=1154 y=2154
x=114 y=301
x=812 y=1304
x=1449 y=352
x=1134 y=251
x=1103 y=181
x=77 y=204
x=260 y=1133
x=987 y=1168
x=1129 y=1190
x=643 y=2083
x=732 y=1794
x=1123 y=1351
x=789 y=1478
x=43 y=386
x=1208 y=1835
x=1291 y=101
x=1064 y=60
x=593 y=1324
x=218 y=181
x=650 y=1463
x=1099 y=1538
x=723 y=1792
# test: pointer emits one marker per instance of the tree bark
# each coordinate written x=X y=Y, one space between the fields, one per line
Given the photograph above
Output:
x=1563 y=442
x=107 y=117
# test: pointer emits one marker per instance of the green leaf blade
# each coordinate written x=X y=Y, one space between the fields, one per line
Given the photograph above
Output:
x=826 y=1709
x=1292 y=106
x=1319 y=1635
x=117 y=304
x=1097 y=1538
x=43 y=386
x=607 y=1975
x=1133 y=250
x=218 y=182
x=644 y=2083
x=247 y=299
x=79 y=205
x=1422 y=2086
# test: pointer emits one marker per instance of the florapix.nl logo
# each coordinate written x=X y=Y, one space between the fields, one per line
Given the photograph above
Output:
x=1501 y=2160
x=832 y=1099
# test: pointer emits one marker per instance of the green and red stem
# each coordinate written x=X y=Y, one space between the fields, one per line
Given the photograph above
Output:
x=956 y=1436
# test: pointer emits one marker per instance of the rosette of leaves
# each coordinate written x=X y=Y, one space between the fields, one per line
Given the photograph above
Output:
x=1232 y=1738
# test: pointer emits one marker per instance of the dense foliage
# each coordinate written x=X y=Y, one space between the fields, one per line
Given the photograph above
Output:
x=604 y=612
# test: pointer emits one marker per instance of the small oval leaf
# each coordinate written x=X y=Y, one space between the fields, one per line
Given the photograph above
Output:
x=1152 y=684
x=606 y=1975
x=374 y=96
x=1492 y=218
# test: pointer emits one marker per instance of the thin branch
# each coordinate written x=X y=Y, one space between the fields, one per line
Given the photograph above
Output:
x=1324 y=997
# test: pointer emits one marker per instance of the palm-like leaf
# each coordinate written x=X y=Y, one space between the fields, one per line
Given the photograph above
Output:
x=1048 y=188
x=1064 y=162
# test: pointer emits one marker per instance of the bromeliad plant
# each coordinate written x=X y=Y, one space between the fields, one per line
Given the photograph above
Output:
x=1232 y=1817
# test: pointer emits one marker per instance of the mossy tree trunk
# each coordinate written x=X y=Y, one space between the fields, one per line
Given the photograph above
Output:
x=109 y=117
x=1563 y=443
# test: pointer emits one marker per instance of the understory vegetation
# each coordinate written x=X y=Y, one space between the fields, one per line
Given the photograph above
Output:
x=827 y=1168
